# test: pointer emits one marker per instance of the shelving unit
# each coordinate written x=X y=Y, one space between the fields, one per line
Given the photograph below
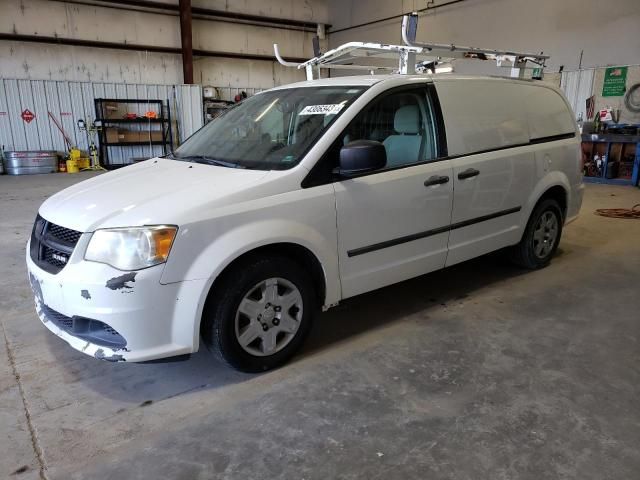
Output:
x=622 y=158
x=112 y=113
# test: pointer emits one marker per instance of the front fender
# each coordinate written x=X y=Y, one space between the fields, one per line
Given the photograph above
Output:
x=306 y=217
x=212 y=261
x=245 y=238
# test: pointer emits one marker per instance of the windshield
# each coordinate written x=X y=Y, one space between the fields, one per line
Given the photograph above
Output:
x=269 y=131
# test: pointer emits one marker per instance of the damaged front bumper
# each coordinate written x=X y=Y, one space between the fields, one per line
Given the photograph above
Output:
x=117 y=316
x=94 y=336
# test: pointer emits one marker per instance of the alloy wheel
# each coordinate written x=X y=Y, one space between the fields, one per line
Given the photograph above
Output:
x=545 y=234
x=268 y=316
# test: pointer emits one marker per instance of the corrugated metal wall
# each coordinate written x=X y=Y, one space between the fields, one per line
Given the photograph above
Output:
x=578 y=87
x=70 y=101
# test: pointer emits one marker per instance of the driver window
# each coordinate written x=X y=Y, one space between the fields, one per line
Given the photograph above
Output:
x=403 y=122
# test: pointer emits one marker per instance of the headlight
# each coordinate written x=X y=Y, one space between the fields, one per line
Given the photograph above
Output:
x=131 y=248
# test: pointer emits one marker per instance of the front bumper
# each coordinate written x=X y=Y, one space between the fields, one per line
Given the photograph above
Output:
x=154 y=320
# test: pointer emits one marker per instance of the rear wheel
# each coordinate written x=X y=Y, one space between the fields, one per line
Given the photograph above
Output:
x=260 y=313
x=541 y=237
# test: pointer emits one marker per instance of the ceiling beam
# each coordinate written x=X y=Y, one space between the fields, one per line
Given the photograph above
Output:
x=139 y=48
x=204 y=13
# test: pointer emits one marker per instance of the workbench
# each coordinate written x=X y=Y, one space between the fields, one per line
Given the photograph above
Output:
x=620 y=154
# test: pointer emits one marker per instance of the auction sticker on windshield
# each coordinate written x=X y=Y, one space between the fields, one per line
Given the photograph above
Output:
x=322 y=109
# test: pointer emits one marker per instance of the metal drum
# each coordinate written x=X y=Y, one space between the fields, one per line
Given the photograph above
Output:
x=30 y=162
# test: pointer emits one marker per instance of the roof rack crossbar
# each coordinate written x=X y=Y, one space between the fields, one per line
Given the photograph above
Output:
x=412 y=57
x=281 y=60
x=517 y=59
x=340 y=57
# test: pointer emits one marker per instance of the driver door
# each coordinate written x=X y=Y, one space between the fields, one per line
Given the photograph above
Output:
x=393 y=224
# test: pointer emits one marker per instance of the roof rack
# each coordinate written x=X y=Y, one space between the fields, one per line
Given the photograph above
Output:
x=412 y=57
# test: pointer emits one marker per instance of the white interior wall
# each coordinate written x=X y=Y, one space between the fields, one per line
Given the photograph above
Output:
x=243 y=73
x=65 y=20
x=616 y=103
x=607 y=31
x=68 y=20
x=308 y=10
x=61 y=62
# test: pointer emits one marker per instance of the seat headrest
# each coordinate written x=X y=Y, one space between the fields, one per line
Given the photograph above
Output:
x=407 y=119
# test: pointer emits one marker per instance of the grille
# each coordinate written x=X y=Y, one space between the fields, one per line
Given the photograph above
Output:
x=65 y=235
x=88 y=329
x=52 y=245
x=110 y=330
x=60 y=320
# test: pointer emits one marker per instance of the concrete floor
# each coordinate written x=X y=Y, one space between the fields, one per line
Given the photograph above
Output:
x=480 y=371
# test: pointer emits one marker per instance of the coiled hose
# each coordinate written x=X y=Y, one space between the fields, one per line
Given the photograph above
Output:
x=630 y=101
x=633 y=212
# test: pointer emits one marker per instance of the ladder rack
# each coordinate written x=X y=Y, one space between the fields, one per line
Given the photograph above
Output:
x=412 y=57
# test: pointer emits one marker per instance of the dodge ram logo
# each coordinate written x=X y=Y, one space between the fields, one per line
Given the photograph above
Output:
x=58 y=257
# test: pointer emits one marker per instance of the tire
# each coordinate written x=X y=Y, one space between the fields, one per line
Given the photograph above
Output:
x=539 y=241
x=260 y=313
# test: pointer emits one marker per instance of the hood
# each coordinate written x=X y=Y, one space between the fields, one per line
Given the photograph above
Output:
x=157 y=191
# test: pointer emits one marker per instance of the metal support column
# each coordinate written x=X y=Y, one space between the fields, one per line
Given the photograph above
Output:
x=186 y=41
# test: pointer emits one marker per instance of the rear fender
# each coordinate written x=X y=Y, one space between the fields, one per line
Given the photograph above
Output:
x=551 y=179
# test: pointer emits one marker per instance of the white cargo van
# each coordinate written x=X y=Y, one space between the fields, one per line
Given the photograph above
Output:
x=295 y=199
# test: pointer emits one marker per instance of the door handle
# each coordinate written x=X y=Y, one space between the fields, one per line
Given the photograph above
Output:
x=436 y=180
x=468 y=173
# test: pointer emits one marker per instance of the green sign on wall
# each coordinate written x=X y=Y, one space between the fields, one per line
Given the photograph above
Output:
x=615 y=82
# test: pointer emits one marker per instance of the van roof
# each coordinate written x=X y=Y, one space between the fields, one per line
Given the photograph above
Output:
x=369 y=80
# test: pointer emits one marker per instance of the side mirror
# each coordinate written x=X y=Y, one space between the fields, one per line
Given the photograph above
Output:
x=362 y=156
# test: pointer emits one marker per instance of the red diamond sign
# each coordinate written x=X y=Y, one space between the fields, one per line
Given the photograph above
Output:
x=27 y=115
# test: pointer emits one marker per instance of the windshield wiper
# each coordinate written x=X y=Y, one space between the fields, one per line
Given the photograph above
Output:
x=212 y=161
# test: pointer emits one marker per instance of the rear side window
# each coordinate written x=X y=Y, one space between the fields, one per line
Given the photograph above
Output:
x=548 y=114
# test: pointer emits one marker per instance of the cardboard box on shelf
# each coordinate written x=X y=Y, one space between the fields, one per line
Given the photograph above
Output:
x=113 y=135
x=123 y=135
x=130 y=135
x=114 y=110
x=141 y=135
x=156 y=135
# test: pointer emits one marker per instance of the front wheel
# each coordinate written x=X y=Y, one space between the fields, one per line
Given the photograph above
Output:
x=541 y=237
x=260 y=314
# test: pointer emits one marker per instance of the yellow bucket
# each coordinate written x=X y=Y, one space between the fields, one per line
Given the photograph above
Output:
x=74 y=154
x=83 y=162
x=72 y=166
